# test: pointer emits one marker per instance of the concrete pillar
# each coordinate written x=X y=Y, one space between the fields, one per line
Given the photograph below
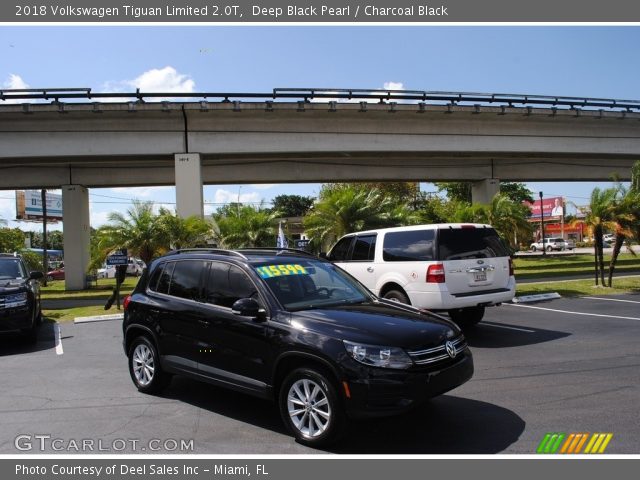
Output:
x=75 y=227
x=483 y=191
x=188 y=185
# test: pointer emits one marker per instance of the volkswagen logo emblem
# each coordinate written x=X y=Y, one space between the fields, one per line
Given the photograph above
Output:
x=451 y=349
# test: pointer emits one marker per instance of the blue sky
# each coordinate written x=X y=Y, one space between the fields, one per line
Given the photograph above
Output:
x=560 y=60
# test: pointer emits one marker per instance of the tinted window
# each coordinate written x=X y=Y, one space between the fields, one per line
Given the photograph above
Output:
x=226 y=284
x=153 y=281
x=408 y=246
x=461 y=243
x=165 y=278
x=364 y=247
x=185 y=281
x=340 y=250
x=11 y=268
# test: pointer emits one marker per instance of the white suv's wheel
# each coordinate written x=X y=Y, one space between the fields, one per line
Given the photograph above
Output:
x=398 y=296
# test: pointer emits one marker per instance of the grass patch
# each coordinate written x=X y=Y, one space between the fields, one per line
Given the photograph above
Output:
x=68 y=314
x=55 y=289
x=572 y=288
x=541 y=267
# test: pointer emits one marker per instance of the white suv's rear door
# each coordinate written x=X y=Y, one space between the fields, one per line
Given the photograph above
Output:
x=474 y=259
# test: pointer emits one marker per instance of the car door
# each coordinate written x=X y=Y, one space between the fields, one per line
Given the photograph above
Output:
x=181 y=313
x=359 y=261
x=237 y=350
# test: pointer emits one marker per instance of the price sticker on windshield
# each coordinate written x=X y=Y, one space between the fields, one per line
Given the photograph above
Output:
x=269 y=271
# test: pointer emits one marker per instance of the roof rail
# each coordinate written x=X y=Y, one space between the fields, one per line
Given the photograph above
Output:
x=217 y=251
x=277 y=249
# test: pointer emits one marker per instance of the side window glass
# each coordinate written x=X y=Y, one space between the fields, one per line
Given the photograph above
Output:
x=340 y=251
x=226 y=284
x=165 y=278
x=153 y=281
x=185 y=281
x=364 y=248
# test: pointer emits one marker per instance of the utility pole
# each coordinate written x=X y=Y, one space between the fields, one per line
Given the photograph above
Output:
x=544 y=250
x=45 y=260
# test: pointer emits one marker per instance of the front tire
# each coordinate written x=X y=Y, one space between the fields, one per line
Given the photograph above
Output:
x=310 y=407
x=398 y=296
x=144 y=366
x=467 y=316
x=533 y=248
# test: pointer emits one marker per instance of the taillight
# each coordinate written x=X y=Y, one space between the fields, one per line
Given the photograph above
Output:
x=511 y=270
x=126 y=301
x=435 y=273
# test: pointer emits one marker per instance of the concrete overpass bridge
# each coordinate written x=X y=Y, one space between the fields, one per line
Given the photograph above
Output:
x=75 y=139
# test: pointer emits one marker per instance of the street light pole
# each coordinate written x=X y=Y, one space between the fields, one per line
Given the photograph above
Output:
x=544 y=251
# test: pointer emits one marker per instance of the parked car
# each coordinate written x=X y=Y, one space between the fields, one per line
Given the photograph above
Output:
x=291 y=327
x=458 y=268
x=551 y=243
x=609 y=238
x=56 y=274
x=135 y=267
x=20 y=308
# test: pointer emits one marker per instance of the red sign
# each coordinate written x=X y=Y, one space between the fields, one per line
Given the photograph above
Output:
x=553 y=207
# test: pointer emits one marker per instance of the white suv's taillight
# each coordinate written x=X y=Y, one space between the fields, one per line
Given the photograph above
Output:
x=435 y=273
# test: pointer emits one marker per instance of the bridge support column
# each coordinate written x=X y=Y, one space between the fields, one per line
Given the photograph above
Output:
x=75 y=228
x=484 y=190
x=188 y=185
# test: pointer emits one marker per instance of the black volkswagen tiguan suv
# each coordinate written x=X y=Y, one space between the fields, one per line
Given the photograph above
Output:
x=288 y=326
x=19 y=297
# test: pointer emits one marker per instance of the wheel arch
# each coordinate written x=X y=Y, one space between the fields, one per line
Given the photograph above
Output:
x=290 y=361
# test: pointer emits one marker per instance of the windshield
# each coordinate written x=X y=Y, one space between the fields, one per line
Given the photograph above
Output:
x=302 y=284
x=11 y=268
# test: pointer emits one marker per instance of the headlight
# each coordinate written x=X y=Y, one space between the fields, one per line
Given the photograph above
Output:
x=375 y=356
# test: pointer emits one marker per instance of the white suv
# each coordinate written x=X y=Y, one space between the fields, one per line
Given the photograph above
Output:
x=460 y=268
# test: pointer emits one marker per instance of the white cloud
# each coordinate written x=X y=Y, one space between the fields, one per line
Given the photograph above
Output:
x=225 y=196
x=264 y=186
x=14 y=82
x=7 y=208
x=393 y=86
x=97 y=219
x=166 y=79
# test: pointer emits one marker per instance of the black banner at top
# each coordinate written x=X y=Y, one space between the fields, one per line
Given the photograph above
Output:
x=318 y=11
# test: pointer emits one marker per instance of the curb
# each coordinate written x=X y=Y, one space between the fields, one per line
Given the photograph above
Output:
x=540 y=297
x=99 y=318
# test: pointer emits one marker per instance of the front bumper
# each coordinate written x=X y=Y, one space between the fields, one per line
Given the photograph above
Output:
x=12 y=319
x=377 y=392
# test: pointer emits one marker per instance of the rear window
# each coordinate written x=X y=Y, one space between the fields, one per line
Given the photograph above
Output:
x=409 y=246
x=462 y=243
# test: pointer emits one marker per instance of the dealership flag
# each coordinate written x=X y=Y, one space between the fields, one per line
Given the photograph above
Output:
x=281 y=241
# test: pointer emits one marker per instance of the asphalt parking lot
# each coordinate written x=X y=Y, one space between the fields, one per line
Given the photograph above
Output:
x=567 y=365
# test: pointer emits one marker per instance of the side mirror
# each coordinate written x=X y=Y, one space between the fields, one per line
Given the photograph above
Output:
x=36 y=275
x=248 y=307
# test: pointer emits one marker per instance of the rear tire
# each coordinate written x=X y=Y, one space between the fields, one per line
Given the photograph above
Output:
x=144 y=366
x=467 y=316
x=398 y=296
x=310 y=407
x=534 y=248
x=549 y=248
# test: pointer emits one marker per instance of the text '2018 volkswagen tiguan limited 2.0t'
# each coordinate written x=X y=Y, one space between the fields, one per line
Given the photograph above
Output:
x=288 y=326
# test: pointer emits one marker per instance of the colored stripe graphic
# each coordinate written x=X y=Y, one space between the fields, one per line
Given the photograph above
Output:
x=556 y=442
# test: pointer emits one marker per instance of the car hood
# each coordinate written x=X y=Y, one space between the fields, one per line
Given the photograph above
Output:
x=377 y=323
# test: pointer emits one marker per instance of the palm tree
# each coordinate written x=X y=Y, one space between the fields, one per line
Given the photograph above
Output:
x=139 y=231
x=601 y=218
x=506 y=216
x=181 y=232
x=239 y=226
x=348 y=208
x=626 y=213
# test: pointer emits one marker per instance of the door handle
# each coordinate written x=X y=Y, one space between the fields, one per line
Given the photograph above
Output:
x=370 y=269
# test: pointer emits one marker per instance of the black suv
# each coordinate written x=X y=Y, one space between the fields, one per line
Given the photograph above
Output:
x=288 y=326
x=19 y=297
